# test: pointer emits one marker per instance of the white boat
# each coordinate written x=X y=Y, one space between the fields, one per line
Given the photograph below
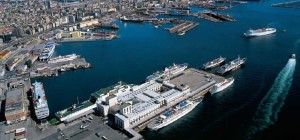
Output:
x=173 y=114
x=293 y=56
x=47 y=52
x=259 y=32
x=39 y=101
x=214 y=63
x=175 y=69
x=221 y=86
x=181 y=33
x=65 y=58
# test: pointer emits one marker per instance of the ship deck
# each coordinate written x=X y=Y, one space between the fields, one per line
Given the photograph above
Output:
x=70 y=110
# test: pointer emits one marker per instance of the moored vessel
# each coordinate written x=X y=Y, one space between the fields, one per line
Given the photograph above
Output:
x=39 y=101
x=175 y=69
x=232 y=65
x=214 y=63
x=47 y=52
x=173 y=114
x=222 y=85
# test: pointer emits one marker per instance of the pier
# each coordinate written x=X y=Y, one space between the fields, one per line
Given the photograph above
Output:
x=183 y=27
x=199 y=82
x=58 y=64
x=214 y=17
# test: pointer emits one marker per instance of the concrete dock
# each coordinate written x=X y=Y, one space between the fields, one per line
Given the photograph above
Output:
x=50 y=69
x=214 y=17
x=183 y=27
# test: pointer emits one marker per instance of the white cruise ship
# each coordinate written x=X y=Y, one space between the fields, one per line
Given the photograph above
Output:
x=65 y=58
x=39 y=101
x=175 y=69
x=259 y=32
x=47 y=52
x=221 y=86
x=173 y=114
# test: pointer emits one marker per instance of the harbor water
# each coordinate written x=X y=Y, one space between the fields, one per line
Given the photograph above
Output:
x=143 y=49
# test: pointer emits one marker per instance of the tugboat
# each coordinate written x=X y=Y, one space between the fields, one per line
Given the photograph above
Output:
x=293 y=56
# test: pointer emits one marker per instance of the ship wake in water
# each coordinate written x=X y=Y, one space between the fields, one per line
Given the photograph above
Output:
x=270 y=106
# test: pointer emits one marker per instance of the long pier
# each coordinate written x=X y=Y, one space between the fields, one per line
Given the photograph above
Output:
x=183 y=27
x=214 y=17
x=56 y=65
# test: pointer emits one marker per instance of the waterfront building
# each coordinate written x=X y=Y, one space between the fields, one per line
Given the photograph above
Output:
x=88 y=23
x=4 y=54
x=136 y=103
x=18 y=31
x=15 y=105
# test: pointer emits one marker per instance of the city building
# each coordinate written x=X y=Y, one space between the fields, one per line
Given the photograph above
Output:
x=15 y=105
x=4 y=54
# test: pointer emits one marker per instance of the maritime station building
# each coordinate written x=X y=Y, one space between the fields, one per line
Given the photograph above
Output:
x=133 y=105
x=16 y=104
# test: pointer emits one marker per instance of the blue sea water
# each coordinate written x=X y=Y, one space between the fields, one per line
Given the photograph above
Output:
x=142 y=50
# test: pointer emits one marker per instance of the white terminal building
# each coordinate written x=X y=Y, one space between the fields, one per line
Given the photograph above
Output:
x=132 y=105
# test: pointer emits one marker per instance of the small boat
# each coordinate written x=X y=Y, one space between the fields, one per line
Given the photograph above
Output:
x=181 y=33
x=293 y=56
x=156 y=26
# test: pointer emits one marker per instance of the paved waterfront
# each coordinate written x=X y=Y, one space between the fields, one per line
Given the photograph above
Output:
x=195 y=78
x=97 y=125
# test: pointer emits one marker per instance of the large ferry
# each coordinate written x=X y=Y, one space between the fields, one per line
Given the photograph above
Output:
x=233 y=65
x=168 y=71
x=175 y=69
x=65 y=58
x=39 y=101
x=214 y=63
x=259 y=32
x=173 y=114
x=221 y=86
x=131 y=19
x=154 y=76
x=47 y=52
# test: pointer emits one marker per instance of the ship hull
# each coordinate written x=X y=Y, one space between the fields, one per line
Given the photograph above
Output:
x=208 y=66
x=213 y=91
x=260 y=33
x=41 y=109
x=234 y=67
x=175 y=118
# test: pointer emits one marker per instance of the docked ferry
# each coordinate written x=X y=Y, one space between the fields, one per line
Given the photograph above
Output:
x=259 y=32
x=175 y=69
x=214 y=63
x=173 y=114
x=221 y=86
x=39 y=101
x=232 y=65
x=47 y=52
